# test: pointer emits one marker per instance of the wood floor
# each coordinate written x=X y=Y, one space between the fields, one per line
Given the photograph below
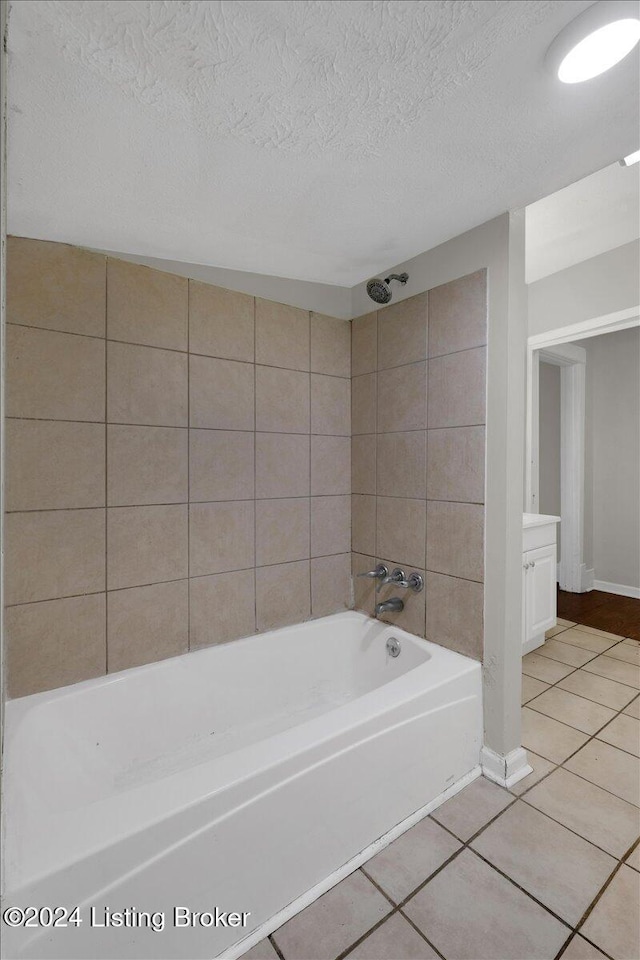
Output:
x=604 y=611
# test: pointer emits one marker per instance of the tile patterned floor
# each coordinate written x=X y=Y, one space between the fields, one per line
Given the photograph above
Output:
x=547 y=870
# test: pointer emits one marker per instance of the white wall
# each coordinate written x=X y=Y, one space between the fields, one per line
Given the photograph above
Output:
x=549 y=488
x=612 y=457
x=593 y=288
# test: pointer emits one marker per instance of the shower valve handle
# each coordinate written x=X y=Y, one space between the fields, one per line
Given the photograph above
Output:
x=379 y=573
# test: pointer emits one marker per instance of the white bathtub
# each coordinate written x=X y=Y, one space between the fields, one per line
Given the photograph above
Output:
x=250 y=776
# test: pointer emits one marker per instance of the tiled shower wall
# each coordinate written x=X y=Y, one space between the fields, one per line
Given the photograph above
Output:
x=178 y=465
x=418 y=457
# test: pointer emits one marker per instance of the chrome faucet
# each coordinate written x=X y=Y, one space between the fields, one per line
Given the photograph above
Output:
x=413 y=582
x=392 y=605
x=379 y=573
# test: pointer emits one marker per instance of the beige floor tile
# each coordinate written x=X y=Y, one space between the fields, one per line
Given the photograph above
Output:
x=541 y=768
x=625 y=651
x=575 y=711
x=542 y=668
x=633 y=860
x=549 y=738
x=609 y=768
x=624 y=733
x=561 y=870
x=394 y=938
x=579 y=949
x=588 y=641
x=617 y=670
x=565 y=623
x=470 y=912
x=598 y=633
x=631 y=642
x=607 y=692
x=410 y=859
x=532 y=688
x=261 y=951
x=610 y=823
x=339 y=918
x=565 y=653
x=614 y=923
x=633 y=710
x=472 y=808
x=554 y=631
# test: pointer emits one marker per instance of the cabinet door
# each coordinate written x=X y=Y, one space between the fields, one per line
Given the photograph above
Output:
x=540 y=590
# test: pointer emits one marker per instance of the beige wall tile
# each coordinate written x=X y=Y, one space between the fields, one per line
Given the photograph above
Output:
x=455 y=614
x=330 y=466
x=458 y=314
x=364 y=344
x=364 y=589
x=221 y=537
x=402 y=332
x=221 y=394
x=363 y=524
x=146 y=306
x=146 y=386
x=402 y=464
x=363 y=463
x=221 y=322
x=330 y=585
x=282 y=531
x=55 y=286
x=412 y=618
x=54 y=376
x=282 y=465
x=330 y=405
x=402 y=398
x=282 y=400
x=54 y=464
x=330 y=345
x=222 y=608
x=282 y=335
x=457 y=389
x=222 y=465
x=53 y=554
x=146 y=465
x=401 y=530
x=456 y=464
x=363 y=403
x=283 y=594
x=55 y=643
x=330 y=525
x=146 y=624
x=455 y=539
x=146 y=545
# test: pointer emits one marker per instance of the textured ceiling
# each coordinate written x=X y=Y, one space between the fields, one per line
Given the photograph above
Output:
x=596 y=214
x=314 y=139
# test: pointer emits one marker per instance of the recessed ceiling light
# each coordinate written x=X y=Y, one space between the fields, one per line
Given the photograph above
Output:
x=631 y=159
x=595 y=41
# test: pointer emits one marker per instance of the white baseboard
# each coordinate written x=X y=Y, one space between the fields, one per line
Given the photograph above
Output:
x=240 y=948
x=620 y=588
x=505 y=770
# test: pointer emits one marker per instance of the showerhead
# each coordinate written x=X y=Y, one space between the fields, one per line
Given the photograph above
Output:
x=380 y=291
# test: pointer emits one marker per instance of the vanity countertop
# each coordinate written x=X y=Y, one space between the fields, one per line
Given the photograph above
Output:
x=538 y=519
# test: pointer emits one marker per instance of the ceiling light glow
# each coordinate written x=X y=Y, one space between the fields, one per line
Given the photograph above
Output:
x=631 y=159
x=600 y=51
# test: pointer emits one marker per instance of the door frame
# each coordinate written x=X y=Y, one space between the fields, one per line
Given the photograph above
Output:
x=556 y=347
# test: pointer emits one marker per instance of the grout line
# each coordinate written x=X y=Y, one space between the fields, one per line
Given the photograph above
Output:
x=275 y=946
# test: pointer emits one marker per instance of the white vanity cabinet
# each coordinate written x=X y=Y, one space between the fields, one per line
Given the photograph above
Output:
x=538 y=578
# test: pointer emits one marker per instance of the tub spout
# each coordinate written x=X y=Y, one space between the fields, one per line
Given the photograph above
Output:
x=392 y=605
